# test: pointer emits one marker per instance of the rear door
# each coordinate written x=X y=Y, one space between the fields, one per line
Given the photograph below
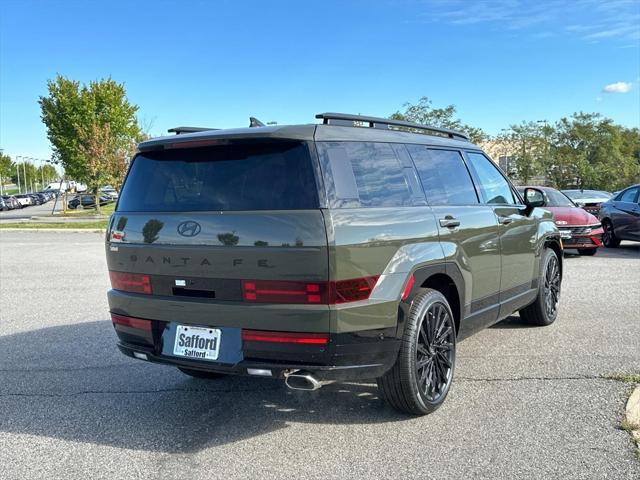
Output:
x=468 y=230
x=518 y=232
x=202 y=220
x=625 y=215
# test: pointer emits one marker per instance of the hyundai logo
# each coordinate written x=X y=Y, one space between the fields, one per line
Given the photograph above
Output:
x=189 y=229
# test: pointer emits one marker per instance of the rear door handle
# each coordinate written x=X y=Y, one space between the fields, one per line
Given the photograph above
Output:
x=505 y=220
x=449 y=222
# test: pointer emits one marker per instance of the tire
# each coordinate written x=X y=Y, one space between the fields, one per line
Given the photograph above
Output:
x=544 y=309
x=609 y=238
x=588 y=252
x=407 y=387
x=201 y=373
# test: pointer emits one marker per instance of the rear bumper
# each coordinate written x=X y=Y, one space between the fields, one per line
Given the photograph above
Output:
x=348 y=356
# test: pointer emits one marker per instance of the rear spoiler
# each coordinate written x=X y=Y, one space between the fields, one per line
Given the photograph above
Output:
x=253 y=122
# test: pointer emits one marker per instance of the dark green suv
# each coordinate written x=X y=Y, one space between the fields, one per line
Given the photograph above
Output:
x=358 y=248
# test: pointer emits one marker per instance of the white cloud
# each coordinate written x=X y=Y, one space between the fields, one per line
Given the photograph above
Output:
x=591 y=20
x=618 y=87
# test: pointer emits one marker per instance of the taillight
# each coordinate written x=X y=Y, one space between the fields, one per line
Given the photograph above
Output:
x=344 y=291
x=285 y=337
x=267 y=291
x=131 y=322
x=276 y=291
x=130 y=282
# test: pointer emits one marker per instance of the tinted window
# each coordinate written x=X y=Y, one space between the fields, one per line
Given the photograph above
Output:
x=444 y=176
x=558 y=199
x=629 y=195
x=364 y=174
x=274 y=176
x=495 y=187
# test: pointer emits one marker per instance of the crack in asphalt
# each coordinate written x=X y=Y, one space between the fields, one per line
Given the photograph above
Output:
x=278 y=387
x=135 y=392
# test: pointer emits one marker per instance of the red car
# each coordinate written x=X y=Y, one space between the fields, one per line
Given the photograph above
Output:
x=578 y=228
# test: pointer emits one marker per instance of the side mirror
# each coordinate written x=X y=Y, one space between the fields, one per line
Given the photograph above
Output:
x=533 y=198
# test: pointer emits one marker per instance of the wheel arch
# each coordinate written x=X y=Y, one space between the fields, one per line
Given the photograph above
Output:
x=554 y=244
x=446 y=279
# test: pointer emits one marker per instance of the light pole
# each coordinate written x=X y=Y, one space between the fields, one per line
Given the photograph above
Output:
x=24 y=171
x=18 y=172
x=1 y=179
x=42 y=174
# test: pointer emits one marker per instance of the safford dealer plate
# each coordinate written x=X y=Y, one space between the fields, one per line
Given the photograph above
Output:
x=197 y=342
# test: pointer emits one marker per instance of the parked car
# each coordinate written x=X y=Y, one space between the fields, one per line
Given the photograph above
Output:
x=578 y=228
x=12 y=202
x=3 y=205
x=109 y=191
x=36 y=199
x=590 y=200
x=87 y=201
x=325 y=252
x=620 y=217
x=25 y=200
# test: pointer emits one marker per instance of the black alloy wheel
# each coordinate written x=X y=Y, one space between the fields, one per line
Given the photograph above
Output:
x=434 y=352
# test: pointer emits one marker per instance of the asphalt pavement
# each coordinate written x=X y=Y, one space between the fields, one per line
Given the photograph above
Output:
x=526 y=402
x=30 y=211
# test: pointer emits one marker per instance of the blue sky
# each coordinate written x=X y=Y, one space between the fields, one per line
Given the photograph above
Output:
x=215 y=63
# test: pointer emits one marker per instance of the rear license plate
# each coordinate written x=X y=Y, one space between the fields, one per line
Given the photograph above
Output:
x=197 y=342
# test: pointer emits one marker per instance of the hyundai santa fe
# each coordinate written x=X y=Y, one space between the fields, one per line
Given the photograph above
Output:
x=356 y=248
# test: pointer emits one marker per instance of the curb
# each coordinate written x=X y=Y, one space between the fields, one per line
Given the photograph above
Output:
x=632 y=415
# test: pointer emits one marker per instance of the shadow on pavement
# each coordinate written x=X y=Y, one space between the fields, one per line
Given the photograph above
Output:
x=625 y=250
x=512 y=322
x=70 y=382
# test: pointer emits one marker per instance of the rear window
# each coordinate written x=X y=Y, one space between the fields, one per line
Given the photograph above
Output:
x=267 y=176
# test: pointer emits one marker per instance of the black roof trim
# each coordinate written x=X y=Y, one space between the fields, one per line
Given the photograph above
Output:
x=346 y=119
x=180 y=130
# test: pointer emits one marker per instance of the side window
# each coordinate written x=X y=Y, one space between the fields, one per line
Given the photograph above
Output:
x=365 y=174
x=629 y=195
x=495 y=187
x=444 y=176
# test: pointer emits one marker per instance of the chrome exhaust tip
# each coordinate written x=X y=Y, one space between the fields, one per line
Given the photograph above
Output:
x=302 y=381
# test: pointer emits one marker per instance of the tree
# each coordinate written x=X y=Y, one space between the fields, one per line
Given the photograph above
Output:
x=92 y=129
x=589 y=151
x=528 y=145
x=424 y=113
x=6 y=169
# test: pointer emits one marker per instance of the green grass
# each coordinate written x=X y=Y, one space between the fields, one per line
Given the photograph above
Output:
x=10 y=190
x=625 y=377
x=95 y=225
x=81 y=212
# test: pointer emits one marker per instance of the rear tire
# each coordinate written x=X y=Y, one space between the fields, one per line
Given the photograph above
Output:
x=609 y=236
x=420 y=379
x=544 y=309
x=201 y=373
x=587 y=252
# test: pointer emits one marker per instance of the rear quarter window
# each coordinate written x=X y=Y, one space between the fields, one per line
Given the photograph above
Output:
x=367 y=174
x=263 y=176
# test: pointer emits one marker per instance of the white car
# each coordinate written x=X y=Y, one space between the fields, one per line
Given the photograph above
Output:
x=109 y=191
x=24 y=200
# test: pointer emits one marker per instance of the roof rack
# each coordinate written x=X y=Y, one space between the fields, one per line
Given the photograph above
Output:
x=348 y=120
x=180 y=130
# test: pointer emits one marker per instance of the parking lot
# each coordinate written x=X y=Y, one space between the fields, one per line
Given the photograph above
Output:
x=526 y=402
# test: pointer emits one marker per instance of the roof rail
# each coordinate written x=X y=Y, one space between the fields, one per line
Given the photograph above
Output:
x=180 y=130
x=349 y=120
